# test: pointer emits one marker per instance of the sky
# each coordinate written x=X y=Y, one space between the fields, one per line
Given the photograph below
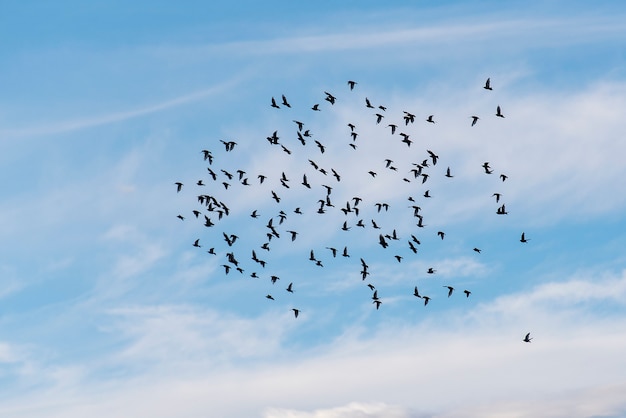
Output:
x=108 y=309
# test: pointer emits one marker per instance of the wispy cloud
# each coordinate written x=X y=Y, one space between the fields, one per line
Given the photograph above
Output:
x=115 y=117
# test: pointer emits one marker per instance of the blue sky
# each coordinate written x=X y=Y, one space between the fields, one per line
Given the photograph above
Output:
x=106 y=308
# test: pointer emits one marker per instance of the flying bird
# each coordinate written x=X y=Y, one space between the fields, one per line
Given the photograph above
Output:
x=488 y=84
x=527 y=338
x=499 y=112
x=450 y=290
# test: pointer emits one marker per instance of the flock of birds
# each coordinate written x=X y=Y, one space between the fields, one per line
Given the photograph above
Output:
x=212 y=206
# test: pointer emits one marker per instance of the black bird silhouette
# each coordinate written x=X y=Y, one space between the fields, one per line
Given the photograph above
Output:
x=467 y=293
x=181 y=217
x=300 y=124
x=497 y=195
x=450 y=290
x=441 y=234
x=293 y=235
x=499 y=112
x=368 y=104
x=330 y=98
x=196 y=243
x=345 y=252
x=290 y=288
x=527 y=338
x=393 y=128
x=285 y=101
x=430 y=119
x=477 y=250
x=379 y=117
x=377 y=302
x=416 y=293
x=179 y=186
x=474 y=119
x=487 y=168
x=316 y=107
x=431 y=270
x=295 y=312
x=352 y=84
x=488 y=84
x=274 y=104
x=426 y=300
x=207 y=155
x=448 y=173
x=503 y=177
x=523 y=238
x=269 y=297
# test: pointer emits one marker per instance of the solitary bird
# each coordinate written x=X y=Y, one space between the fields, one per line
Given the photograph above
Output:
x=467 y=293
x=527 y=338
x=474 y=119
x=352 y=84
x=488 y=84
x=295 y=312
x=499 y=112
x=179 y=186
x=523 y=238
x=450 y=290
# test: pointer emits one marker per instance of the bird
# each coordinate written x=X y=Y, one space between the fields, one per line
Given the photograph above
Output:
x=296 y=312
x=430 y=119
x=330 y=98
x=416 y=293
x=441 y=234
x=467 y=293
x=477 y=250
x=431 y=270
x=285 y=101
x=450 y=290
x=196 y=243
x=316 y=107
x=448 y=173
x=179 y=186
x=426 y=300
x=274 y=105
x=368 y=103
x=523 y=238
x=352 y=84
x=474 y=119
x=377 y=302
x=290 y=288
x=269 y=297
x=527 y=338
x=499 y=112
x=488 y=84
